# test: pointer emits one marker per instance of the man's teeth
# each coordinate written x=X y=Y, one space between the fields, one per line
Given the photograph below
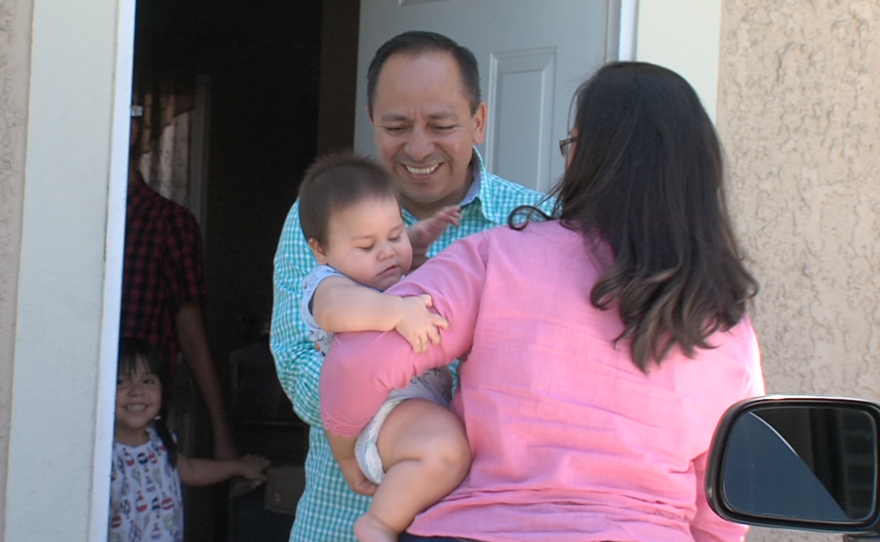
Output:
x=136 y=407
x=422 y=170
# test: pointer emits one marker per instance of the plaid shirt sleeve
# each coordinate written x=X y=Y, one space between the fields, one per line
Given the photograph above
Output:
x=297 y=361
x=184 y=272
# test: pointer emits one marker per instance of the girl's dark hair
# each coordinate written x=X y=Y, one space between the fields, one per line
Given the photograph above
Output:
x=647 y=177
x=334 y=182
x=133 y=353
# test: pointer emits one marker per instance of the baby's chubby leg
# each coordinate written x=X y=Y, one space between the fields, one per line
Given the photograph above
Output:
x=425 y=454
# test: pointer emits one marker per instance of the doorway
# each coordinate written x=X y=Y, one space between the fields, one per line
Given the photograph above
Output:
x=265 y=87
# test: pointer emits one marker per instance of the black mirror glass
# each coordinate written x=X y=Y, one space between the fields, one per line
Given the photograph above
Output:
x=815 y=463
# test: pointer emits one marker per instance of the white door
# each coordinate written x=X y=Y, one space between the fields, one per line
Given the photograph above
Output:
x=533 y=54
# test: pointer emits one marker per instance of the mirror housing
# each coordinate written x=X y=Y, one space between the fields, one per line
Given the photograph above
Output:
x=798 y=462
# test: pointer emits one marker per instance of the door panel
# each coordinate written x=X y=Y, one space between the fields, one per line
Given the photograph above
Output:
x=532 y=54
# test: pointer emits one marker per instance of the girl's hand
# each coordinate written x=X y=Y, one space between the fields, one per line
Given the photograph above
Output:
x=253 y=467
x=418 y=325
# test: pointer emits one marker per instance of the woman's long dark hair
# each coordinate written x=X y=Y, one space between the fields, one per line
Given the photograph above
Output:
x=647 y=176
x=132 y=354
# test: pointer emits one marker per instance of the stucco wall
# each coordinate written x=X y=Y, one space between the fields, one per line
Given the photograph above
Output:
x=799 y=114
x=15 y=23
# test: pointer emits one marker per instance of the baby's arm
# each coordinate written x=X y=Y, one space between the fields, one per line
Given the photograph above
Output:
x=340 y=305
x=204 y=472
x=424 y=233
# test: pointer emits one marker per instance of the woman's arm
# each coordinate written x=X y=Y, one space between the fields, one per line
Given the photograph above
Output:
x=362 y=368
x=707 y=526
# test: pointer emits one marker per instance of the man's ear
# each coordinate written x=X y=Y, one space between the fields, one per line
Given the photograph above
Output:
x=480 y=120
x=370 y=114
x=318 y=251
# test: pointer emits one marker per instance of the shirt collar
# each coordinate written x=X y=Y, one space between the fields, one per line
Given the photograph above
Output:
x=478 y=172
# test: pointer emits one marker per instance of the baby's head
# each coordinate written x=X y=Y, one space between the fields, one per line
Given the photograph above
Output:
x=351 y=218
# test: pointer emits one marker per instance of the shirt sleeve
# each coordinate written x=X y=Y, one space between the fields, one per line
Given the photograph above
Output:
x=363 y=367
x=185 y=275
x=297 y=361
x=707 y=526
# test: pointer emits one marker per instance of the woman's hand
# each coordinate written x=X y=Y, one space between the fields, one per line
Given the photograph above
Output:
x=356 y=479
x=343 y=452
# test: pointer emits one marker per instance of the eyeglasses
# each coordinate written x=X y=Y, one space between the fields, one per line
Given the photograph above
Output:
x=565 y=145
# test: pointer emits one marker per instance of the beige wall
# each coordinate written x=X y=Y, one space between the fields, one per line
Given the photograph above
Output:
x=15 y=35
x=799 y=114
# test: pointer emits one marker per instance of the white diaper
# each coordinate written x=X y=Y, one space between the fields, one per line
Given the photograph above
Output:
x=434 y=385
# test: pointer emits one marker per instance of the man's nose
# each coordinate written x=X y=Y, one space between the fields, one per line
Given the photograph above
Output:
x=419 y=145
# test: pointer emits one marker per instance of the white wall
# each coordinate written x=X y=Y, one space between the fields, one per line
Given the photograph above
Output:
x=68 y=306
x=684 y=36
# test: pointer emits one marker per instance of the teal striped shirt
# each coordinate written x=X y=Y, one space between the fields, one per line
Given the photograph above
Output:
x=328 y=509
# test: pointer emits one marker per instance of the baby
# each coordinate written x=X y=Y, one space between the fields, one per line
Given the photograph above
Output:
x=415 y=448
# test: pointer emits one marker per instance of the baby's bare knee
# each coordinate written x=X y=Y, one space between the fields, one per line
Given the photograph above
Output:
x=448 y=452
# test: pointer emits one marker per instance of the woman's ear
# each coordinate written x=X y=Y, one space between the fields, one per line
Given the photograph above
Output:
x=318 y=251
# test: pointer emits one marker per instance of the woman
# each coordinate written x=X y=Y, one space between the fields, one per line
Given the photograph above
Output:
x=598 y=348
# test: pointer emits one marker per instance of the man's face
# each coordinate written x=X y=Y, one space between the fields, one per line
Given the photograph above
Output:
x=425 y=131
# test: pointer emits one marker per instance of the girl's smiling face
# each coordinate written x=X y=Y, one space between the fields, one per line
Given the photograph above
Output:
x=138 y=401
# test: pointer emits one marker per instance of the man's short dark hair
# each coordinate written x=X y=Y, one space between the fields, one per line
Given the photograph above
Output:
x=333 y=183
x=416 y=43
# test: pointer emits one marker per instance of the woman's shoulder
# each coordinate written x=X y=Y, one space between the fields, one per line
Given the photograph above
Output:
x=548 y=235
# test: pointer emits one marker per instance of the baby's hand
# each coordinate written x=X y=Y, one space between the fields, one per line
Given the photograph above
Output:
x=254 y=467
x=424 y=233
x=418 y=325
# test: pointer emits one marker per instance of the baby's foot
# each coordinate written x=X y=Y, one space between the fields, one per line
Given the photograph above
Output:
x=369 y=528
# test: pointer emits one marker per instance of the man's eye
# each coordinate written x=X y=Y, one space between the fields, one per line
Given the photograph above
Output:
x=444 y=128
x=395 y=129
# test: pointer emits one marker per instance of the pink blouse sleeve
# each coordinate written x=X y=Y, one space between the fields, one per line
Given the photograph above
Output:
x=706 y=525
x=362 y=368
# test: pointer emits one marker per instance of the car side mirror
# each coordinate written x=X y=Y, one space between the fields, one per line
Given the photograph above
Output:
x=807 y=463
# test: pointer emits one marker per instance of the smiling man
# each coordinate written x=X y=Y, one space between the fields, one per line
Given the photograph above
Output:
x=425 y=105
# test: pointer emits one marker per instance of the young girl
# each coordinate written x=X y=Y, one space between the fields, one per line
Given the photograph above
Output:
x=145 y=495
x=414 y=448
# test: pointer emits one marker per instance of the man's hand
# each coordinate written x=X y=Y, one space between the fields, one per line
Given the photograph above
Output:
x=418 y=325
x=425 y=233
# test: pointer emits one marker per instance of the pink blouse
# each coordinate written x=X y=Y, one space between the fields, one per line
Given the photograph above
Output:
x=571 y=441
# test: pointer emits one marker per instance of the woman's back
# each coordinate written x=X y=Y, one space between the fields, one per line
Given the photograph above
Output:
x=578 y=434
x=569 y=436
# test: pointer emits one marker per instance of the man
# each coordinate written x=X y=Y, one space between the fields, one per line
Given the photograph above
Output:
x=424 y=103
x=163 y=292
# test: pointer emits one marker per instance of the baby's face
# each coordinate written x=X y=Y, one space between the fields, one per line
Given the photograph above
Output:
x=368 y=243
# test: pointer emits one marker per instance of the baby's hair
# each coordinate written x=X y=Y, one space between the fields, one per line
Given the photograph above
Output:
x=335 y=182
x=134 y=353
